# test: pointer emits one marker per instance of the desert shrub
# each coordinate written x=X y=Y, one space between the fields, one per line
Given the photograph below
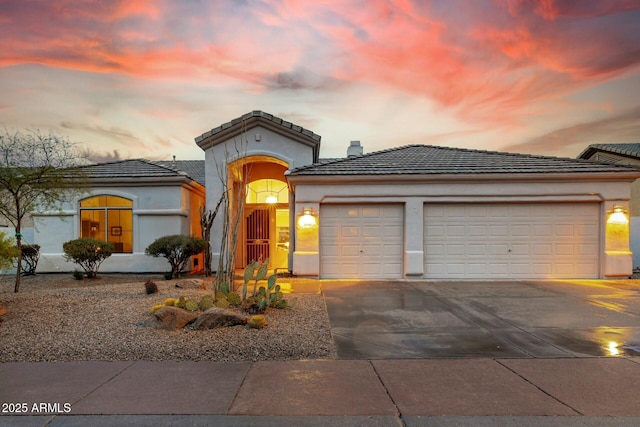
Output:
x=150 y=287
x=177 y=249
x=8 y=252
x=78 y=275
x=87 y=253
x=30 y=257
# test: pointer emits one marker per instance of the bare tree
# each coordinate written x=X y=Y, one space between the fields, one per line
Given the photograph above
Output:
x=37 y=172
x=233 y=202
x=206 y=222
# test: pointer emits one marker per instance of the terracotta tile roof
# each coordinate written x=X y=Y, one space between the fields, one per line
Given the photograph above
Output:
x=431 y=160
x=629 y=150
x=141 y=168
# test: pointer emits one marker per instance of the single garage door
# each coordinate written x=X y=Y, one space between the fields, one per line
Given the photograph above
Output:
x=361 y=241
x=511 y=240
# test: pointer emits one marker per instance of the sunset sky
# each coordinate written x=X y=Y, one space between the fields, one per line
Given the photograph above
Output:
x=143 y=78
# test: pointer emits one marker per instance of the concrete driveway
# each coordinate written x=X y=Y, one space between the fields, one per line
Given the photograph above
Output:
x=510 y=319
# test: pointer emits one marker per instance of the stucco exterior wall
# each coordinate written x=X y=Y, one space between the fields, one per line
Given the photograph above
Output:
x=257 y=141
x=414 y=193
x=157 y=211
x=634 y=204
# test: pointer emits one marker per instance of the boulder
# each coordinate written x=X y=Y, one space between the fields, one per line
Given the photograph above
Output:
x=216 y=317
x=174 y=317
x=191 y=284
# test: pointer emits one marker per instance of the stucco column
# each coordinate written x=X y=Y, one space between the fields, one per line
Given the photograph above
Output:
x=214 y=190
x=306 y=257
x=413 y=238
x=618 y=259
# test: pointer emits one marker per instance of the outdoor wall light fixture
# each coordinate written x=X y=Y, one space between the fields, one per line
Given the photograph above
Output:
x=307 y=220
x=271 y=199
x=618 y=216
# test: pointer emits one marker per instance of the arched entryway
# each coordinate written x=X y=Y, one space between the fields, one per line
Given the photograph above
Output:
x=263 y=232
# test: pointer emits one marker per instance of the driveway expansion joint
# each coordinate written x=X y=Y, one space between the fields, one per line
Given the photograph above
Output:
x=539 y=388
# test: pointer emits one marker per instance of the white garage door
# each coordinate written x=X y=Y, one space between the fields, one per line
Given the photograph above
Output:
x=361 y=241
x=511 y=240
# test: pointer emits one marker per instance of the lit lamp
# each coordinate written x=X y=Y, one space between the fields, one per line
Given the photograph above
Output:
x=618 y=216
x=307 y=220
x=271 y=199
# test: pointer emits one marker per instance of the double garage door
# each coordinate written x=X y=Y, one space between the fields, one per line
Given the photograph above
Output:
x=511 y=241
x=463 y=241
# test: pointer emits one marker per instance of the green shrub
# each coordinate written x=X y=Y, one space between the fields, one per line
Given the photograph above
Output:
x=150 y=287
x=87 y=253
x=177 y=249
x=8 y=252
x=30 y=257
x=78 y=275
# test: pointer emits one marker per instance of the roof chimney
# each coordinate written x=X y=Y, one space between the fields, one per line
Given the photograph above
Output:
x=355 y=149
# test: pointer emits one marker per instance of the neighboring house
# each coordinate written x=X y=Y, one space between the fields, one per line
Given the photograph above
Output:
x=129 y=203
x=416 y=211
x=625 y=154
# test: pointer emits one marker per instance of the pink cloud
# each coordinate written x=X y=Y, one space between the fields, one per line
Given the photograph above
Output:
x=484 y=61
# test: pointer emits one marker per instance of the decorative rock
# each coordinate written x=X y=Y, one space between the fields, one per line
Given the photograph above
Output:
x=218 y=318
x=174 y=317
x=3 y=311
x=191 y=284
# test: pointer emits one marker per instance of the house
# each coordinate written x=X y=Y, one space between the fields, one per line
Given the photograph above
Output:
x=129 y=203
x=408 y=212
x=625 y=154
x=415 y=211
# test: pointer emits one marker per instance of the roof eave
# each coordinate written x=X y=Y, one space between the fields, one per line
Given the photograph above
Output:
x=209 y=139
x=146 y=181
x=629 y=176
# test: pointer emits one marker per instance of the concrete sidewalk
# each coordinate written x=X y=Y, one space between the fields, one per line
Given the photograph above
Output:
x=559 y=391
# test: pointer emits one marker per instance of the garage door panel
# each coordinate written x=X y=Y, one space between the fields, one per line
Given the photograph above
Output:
x=520 y=250
x=512 y=240
x=435 y=230
x=546 y=249
x=349 y=250
x=565 y=230
x=564 y=250
x=349 y=231
x=370 y=240
x=477 y=250
x=542 y=230
x=331 y=251
x=541 y=269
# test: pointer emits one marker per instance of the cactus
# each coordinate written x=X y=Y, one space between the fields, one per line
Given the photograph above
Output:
x=233 y=298
x=224 y=288
x=257 y=322
x=220 y=295
x=222 y=303
x=191 y=305
x=181 y=302
x=206 y=302
x=262 y=272
x=271 y=296
x=248 y=275
x=170 y=301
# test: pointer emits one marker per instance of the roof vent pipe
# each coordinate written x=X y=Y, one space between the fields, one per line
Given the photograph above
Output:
x=355 y=149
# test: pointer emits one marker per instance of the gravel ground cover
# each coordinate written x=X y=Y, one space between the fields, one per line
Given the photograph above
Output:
x=57 y=318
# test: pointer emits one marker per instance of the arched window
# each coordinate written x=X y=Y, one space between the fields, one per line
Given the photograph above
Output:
x=108 y=218
x=267 y=191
